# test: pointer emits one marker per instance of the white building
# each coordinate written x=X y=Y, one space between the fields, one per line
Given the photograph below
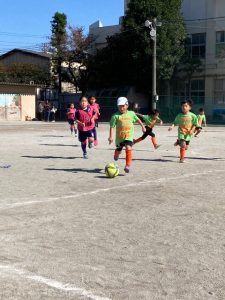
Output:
x=99 y=34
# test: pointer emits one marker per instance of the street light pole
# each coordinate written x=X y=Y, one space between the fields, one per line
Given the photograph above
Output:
x=154 y=93
x=152 y=27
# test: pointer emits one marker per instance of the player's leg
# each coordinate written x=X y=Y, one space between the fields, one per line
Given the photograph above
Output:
x=153 y=139
x=90 y=138
x=83 y=140
x=94 y=131
x=75 y=128
x=118 y=151
x=182 y=150
x=197 y=131
x=71 y=126
x=145 y=134
x=128 y=146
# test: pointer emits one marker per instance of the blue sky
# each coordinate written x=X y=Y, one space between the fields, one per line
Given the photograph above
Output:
x=26 y=23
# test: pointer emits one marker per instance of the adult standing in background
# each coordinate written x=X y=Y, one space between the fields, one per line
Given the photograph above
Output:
x=47 y=111
x=53 y=111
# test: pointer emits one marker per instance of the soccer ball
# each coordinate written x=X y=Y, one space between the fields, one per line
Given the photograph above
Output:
x=111 y=170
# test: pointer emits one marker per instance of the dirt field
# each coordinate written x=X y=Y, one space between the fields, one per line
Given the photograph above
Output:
x=68 y=232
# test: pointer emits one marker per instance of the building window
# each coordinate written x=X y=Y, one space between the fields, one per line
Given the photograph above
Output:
x=220 y=44
x=198 y=91
x=196 y=45
x=219 y=91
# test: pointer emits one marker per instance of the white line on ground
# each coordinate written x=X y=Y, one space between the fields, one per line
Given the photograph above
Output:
x=50 y=282
x=77 y=195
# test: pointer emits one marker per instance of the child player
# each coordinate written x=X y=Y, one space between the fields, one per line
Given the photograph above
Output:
x=124 y=121
x=85 y=121
x=71 y=116
x=150 y=121
x=96 y=109
x=201 y=120
x=187 y=122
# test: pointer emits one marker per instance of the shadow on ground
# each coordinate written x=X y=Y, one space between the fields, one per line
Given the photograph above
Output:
x=156 y=159
x=77 y=170
x=201 y=158
x=60 y=145
x=50 y=157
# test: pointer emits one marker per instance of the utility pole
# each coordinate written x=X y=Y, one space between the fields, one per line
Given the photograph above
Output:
x=152 y=26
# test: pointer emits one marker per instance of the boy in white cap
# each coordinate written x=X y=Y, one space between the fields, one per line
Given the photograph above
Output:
x=124 y=121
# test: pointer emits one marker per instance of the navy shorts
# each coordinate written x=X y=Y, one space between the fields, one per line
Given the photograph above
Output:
x=71 y=121
x=83 y=135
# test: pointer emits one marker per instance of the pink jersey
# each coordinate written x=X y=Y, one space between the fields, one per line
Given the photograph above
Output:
x=84 y=116
x=96 y=109
x=71 y=113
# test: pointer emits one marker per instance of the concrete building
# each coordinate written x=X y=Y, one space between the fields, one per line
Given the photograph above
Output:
x=99 y=34
x=205 y=23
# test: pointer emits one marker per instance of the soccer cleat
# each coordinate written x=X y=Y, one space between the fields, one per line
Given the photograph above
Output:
x=156 y=146
x=85 y=156
x=127 y=169
x=182 y=161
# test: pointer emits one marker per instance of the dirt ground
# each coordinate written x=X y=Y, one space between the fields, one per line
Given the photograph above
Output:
x=68 y=232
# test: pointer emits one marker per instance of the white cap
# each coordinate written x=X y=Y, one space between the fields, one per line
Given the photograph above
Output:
x=122 y=101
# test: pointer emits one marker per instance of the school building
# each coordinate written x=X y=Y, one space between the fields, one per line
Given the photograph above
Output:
x=205 y=24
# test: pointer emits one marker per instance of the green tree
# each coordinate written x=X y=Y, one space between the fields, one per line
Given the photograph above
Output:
x=77 y=57
x=59 y=42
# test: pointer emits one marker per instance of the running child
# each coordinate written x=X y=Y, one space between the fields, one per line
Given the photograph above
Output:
x=201 y=120
x=187 y=122
x=150 y=121
x=124 y=121
x=71 y=119
x=85 y=117
x=96 y=108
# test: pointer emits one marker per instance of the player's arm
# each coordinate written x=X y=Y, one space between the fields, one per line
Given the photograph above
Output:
x=94 y=116
x=80 y=123
x=171 y=127
x=204 y=121
x=194 y=125
x=160 y=121
x=111 y=130
x=76 y=118
x=192 y=129
x=140 y=115
x=141 y=124
x=110 y=139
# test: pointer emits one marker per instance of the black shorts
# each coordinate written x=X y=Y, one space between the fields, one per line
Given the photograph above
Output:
x=71 y=121
x=187 y=142
x=124 y=144
x=84 y=135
